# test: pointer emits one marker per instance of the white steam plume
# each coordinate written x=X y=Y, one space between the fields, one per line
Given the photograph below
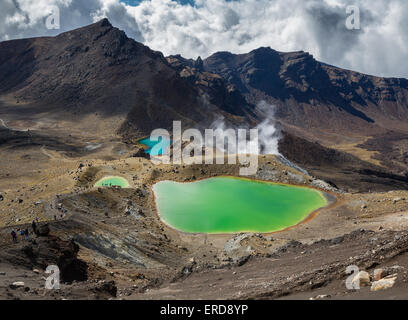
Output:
x=268 y=133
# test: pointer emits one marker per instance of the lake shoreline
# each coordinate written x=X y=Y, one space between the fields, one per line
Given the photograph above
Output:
x=330 y=199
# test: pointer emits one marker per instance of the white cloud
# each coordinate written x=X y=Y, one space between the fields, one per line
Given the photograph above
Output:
x=316 y=26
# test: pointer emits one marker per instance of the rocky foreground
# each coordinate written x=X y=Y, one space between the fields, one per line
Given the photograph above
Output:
x=110 y=243
x=268 y=268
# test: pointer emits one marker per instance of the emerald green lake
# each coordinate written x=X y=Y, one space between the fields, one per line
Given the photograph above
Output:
x=230 y=205
x=112 y=182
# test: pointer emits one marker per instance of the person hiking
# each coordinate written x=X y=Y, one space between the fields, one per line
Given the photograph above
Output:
x=34 y=226
x=27 y=235
x=22 y=234
x=14 y=236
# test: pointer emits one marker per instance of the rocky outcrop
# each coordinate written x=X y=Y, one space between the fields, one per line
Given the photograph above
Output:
x=383 y=284
x=45 y=251
x=43 y=230
x=308 y=93
x=212 y=86
x=141 y=153
x=361 y=279
x=106 y=288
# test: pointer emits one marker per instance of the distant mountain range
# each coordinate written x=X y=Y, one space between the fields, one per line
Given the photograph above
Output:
x=309 y=94
x=98 y=69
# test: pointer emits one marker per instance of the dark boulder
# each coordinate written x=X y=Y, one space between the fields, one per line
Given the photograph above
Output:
x=140 y=153
x=43 y=230
x=107 y=287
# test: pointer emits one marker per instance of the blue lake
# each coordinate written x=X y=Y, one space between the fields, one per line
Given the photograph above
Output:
x=156 y=148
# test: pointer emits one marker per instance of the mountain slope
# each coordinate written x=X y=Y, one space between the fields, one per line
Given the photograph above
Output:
x=311 y=95
x=97 y=69
x=95 y=81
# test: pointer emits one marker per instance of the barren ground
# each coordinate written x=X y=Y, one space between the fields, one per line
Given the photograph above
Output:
x=125 y=245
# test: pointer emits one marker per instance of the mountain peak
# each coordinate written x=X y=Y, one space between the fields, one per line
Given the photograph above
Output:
x=104 y=23
x=264 y=49
x=94 y=30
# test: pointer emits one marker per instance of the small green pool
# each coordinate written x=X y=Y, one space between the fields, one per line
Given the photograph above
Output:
x=230 y=205
x=112 y=182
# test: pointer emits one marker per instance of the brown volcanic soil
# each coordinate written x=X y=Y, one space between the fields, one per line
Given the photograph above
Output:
x=344 y=170
x=299 y=271
x=121 y=238
x=390 y=149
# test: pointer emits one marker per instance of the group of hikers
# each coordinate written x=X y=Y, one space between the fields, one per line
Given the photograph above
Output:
x=24 y=233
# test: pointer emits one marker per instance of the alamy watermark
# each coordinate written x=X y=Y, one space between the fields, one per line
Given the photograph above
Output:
x=353 y=20
x=52 y=282
x=216 y=144
x=53 y=19
x=353 y=282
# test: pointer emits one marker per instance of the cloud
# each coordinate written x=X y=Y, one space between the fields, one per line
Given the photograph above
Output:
x=316 y=26
x=26 y=18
